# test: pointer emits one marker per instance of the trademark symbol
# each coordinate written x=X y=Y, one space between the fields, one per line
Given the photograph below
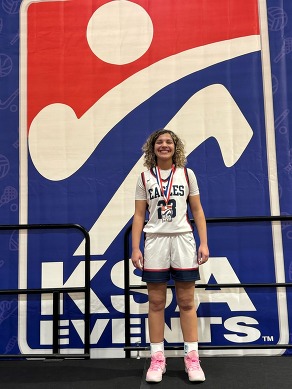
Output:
x=267 y=338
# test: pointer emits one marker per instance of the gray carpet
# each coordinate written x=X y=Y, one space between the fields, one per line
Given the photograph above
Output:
x=221 y=373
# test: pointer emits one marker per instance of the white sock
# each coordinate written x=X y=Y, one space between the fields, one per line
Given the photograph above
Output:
x=154 y=347
x=190 y=346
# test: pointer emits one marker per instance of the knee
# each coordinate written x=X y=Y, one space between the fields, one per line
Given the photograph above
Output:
x=186 y=304
x=157 y=304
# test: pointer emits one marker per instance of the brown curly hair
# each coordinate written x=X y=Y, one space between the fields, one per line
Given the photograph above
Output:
x=179 y=158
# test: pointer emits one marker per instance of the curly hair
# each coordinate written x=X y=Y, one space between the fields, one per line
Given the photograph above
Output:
x=179 y=158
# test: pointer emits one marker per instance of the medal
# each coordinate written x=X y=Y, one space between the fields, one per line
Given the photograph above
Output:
x=166 y=209
x=166 y=213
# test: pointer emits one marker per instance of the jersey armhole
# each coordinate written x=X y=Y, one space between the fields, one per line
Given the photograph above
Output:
x=143 y=179
x=188 y=201
x=187 y=176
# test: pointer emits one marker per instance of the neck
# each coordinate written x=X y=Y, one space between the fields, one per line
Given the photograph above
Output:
x=164 y=165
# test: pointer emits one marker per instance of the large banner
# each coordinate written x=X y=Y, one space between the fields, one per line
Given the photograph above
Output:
x=94 y=78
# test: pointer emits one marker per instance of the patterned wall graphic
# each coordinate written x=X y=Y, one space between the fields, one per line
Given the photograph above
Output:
x=82 y=84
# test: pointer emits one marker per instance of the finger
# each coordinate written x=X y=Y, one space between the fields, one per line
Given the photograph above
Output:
x=203 y=260
x=137 y=264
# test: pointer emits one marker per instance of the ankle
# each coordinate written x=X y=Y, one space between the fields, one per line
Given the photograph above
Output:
x=190 y=346
x=156 y=347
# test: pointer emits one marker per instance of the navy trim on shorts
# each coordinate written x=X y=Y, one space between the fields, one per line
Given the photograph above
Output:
x=185 y=275
x=175 y=274
x=156 y=276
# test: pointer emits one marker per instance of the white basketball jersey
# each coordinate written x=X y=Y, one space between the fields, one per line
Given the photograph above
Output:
x=170 y=218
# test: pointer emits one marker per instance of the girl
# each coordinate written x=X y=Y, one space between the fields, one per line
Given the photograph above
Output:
x=164 y=190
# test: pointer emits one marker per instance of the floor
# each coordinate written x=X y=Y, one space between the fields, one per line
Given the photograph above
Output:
x=221 y=373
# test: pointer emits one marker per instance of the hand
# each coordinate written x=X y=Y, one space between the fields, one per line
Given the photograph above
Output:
x=137 y=259
x=203 y=254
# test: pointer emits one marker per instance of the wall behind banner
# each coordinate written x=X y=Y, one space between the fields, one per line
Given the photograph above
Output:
x=79 y=96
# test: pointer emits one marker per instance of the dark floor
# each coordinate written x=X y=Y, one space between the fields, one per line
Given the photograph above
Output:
x=221 y=373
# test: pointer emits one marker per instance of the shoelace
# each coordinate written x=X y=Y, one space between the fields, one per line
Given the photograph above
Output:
x=192 y=363
x=156 y=364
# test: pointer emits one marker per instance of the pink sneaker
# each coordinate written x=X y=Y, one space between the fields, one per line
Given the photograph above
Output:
x=193 y=368
x=157 y=367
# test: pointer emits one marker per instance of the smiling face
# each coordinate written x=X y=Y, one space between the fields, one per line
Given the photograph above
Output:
x=164 y=149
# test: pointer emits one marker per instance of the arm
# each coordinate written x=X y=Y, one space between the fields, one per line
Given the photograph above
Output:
x=137 y=228
x=200 y=221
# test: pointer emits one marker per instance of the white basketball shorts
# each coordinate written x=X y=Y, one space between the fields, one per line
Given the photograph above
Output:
x=170 y=256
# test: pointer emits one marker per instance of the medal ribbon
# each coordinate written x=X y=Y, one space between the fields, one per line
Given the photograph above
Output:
x=166 y=192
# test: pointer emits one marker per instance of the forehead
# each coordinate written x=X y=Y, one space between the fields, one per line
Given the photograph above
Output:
x=165 y=136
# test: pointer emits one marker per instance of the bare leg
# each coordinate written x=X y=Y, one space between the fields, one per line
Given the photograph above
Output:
x=157 y=300
x=185 y=296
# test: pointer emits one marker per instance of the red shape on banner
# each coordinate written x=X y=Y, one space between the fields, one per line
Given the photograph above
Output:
x=62 y=68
